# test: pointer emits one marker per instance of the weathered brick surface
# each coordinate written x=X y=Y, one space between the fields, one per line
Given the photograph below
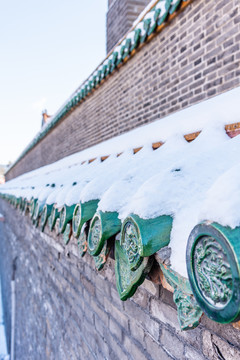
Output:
x=215 y=348
x=194 y=58
x=65 y=309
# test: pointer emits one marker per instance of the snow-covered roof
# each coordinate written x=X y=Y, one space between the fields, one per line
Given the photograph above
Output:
x=185 y=180
x=150 y=20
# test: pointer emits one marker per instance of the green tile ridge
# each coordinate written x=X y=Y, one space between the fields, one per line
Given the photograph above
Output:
x=155 y=17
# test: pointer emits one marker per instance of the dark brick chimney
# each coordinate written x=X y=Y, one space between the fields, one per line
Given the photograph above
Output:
x=120 y=17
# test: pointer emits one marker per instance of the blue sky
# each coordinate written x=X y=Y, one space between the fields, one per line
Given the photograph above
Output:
x=47 y=48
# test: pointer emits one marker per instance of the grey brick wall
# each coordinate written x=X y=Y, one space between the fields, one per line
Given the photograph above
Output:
x=120 y=17
x=197 y=56
x=65 y=309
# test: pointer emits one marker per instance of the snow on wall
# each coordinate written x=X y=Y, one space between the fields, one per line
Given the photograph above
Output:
x=189 y=181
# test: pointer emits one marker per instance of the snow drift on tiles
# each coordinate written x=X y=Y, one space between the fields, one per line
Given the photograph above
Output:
x=180 y=188
x=222 y=203
x=146 y=163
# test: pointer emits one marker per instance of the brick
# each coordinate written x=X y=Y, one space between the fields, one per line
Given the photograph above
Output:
x=88 y=285
x=116 y=299
x=141 y=298
x=191 y=354
x=117 y=314
x=136 y=313
x=103 y=286
x=164 y=313
x=155 y=349
x=105 y=349
x=172 y=344
x=135 y=349
x=237 y=20
x=229 y=84
x=227 y=331
x=137 y=331
x=117 y=350
x=99 y=325
x=99 y=311
x=89 y=315
x=214 y=348
x=115 y=329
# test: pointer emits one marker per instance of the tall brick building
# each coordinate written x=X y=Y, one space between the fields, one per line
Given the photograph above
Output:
x=168 y=79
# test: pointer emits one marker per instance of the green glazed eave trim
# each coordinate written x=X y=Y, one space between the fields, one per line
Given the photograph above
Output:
x=101 y=259
x=38 y=210
x=26 y=207
x=130 y=240
x=153 y=233
x=213 y=256
x=45 y=215
x=174 y=7
x=35 y=213
x=82 y=241
x=65 y=216
x=176 y=280
x=32 y=205
x=103 y=226
x=17 y=201
x=21 y=200
x=67 y=233
x=24 y=204
x=76 y=220
x=106 y=68
x=82 y=213
x=53 y=217
x=189 y=313
x=126 y=279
